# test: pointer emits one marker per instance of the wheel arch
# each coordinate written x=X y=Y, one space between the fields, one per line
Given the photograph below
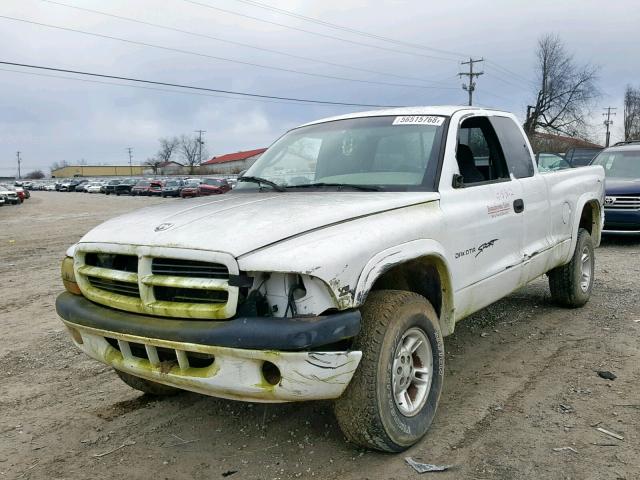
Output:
x=419 y=266
x=589 y=215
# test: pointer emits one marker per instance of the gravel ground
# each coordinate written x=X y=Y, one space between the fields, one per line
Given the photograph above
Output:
x=520 y=385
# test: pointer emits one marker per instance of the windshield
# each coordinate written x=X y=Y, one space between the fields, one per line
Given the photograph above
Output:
x=389 y=153
x=620 y=164
x=143 y=184
x=192 y=184
x=172 y=183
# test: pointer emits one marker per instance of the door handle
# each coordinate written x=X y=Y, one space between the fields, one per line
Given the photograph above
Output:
x=518 y=205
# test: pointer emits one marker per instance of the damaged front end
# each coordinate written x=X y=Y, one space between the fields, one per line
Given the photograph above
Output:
x=193 y=321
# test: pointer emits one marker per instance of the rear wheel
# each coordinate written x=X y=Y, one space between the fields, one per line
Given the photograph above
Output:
x=571 y=284
x=392 y=398
x=147 y=386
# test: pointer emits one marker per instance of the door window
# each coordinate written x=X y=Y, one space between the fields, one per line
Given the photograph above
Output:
x=479 y=156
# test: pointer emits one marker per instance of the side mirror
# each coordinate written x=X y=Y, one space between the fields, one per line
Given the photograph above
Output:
x=458 y=181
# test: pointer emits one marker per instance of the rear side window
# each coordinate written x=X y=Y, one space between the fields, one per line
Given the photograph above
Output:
x=514 y=147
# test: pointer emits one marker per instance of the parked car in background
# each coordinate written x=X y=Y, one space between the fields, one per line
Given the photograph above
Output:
x=110 y=187
x=190 y=189
x=172 y=188
x=125 y=186
x=549 y=162
x=622 y=196
x=76 y=185
x=51 y=187
x=581 y=157
x=147 y=187
x=22 y=192
x=2 y=201
x=9 y=194
x=93 y=187
x=213 y=186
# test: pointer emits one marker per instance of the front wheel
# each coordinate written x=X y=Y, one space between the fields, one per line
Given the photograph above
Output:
x=571 y=284
x=392 y=398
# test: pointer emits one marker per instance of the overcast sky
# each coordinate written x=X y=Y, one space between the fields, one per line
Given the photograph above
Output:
x=57 y=119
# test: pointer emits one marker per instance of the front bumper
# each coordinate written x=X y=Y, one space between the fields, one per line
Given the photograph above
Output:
x=171 y=352
x=621 y=221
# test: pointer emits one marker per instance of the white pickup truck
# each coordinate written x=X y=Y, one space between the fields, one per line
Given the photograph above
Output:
x=337 y=265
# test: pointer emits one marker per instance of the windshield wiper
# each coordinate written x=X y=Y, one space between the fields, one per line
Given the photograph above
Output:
x=365 y=188
x=262 y=181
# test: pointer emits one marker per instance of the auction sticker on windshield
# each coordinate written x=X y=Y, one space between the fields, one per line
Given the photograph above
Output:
x=418 y=120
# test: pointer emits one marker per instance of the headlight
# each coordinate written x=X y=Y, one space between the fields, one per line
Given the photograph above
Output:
x=69 y=277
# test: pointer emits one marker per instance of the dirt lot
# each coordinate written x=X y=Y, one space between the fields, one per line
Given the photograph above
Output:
x=520 y=383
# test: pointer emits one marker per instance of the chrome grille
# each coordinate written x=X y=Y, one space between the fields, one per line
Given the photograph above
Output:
x=622 y=203
x=170 y=282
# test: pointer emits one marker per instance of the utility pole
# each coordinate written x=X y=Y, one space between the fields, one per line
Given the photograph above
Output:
x=608 y=122
x=130 y=150
x=200 y=142
x=18 y=157
x=471 y=74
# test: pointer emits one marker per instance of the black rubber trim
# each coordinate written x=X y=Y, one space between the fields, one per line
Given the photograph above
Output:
x=256 y=333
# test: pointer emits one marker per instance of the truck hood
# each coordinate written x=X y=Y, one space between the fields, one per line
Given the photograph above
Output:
x=238 y=223
x=622 y=186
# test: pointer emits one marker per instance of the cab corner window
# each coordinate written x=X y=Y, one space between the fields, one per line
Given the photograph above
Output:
x=514 y=147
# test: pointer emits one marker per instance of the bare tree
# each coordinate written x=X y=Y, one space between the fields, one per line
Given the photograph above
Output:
x=57 y=165
x=35 y=175
x=632 y=113
x=168 y=146
x=567 y=91
x=189 y=148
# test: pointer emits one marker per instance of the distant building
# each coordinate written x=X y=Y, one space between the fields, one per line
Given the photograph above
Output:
x=548 y=142
x=170 y=168
x=100 y=171
x=231 y=162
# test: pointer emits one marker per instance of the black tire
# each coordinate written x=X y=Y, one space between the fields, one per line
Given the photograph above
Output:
x=147 y=386
x=568 y=285
x=367 y=412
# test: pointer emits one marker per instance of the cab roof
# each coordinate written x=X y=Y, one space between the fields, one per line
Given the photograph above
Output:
x=445 y=110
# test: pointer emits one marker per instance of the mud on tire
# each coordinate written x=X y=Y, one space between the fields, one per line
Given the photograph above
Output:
x=571 y=284
x=147 y=386
x=369 y=412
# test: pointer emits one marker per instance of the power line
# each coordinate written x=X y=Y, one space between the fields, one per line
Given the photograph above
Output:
x=471 y=74
x=232 y=42
x=608 y=122
x=191 y=87
x=349 y=29
x=506 y=71
x=155 y=89
x=199 y=54
x=318 y=34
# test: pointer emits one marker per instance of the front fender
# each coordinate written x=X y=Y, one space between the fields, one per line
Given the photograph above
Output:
x=399 y=254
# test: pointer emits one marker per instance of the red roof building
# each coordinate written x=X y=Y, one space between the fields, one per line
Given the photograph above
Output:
x=232 y=162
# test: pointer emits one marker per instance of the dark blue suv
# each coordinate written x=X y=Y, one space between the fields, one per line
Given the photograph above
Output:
x=622 y=201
